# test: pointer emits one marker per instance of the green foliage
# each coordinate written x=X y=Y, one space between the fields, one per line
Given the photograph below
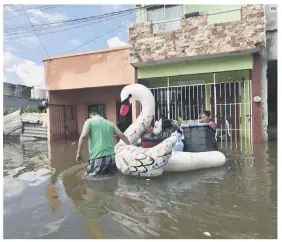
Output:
x=31 y=109
x=28 y=109
x=7 y=111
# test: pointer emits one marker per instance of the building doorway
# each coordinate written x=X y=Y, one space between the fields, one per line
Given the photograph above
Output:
x=226 y=94
x=63 y=122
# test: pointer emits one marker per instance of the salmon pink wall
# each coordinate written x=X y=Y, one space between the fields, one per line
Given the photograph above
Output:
x=81 y=98
x=103 y=95
x=109 y=67
x=63 y=97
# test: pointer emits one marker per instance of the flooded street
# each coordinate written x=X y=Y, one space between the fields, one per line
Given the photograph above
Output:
x=48 y=199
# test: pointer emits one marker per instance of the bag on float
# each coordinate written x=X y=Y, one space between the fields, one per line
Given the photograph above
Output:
x=179 y=145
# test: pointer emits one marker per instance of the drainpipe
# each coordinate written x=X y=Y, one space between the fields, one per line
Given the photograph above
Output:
x=264 y=90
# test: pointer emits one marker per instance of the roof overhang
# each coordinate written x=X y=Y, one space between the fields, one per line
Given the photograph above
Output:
x=198 y=57
x=87 y=53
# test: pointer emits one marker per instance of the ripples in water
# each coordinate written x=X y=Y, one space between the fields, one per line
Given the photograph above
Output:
x=237 y=200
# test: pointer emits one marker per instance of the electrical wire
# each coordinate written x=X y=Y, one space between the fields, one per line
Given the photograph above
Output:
x=121 y=14
x=98 y=37
x=15 y=27
x=11 y=28
x=65 y=29
x=87 y=42
x=36 y=34
x=64 y=23
x=55 y=6
x=20 y=10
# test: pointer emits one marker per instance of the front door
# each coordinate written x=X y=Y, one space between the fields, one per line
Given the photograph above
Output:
x=63 y=122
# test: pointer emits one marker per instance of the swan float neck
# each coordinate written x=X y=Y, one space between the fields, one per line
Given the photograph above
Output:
x=137 y=161
x=138 y=92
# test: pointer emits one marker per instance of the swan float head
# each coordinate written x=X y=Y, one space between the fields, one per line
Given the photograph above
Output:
x=137 y=161
x=137 y=92
x=125 y=105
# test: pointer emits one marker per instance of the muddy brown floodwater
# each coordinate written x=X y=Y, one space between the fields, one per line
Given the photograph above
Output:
x=238 y=200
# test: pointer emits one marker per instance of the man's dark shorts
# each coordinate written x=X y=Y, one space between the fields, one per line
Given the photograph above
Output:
x=100 y=166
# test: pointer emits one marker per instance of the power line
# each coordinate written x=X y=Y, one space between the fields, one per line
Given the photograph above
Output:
x=70 y=21
x=75 y=21
x=65 y=29
x=20 y=10
x=36 y=34
x=12 y=30
x=98 y=37
x=45 y=8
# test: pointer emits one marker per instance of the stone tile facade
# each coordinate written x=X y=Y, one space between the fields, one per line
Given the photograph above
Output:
x=196 y=37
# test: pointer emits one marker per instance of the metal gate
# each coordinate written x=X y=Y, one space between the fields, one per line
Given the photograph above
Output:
x=63 y=122
x=229 y=102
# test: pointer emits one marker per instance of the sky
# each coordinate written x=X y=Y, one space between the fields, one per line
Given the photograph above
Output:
x=23 y=57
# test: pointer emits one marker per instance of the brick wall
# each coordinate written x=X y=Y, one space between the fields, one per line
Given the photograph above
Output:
x=197 y=37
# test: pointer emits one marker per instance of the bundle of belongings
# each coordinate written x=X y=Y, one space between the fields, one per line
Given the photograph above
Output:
x=162 y=130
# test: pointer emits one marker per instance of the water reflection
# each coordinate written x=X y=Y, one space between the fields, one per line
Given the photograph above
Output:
x=125 y=207
x=23 y=166
x=237 y=200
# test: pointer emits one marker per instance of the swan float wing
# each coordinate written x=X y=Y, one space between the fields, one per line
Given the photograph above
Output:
x=137 y=161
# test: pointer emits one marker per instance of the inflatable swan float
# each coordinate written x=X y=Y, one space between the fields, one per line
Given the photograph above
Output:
x=137 y=161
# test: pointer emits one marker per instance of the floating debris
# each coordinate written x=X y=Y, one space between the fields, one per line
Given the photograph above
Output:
x=207 y=234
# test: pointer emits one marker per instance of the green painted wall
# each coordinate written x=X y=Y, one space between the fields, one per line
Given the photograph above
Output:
x=194 y=79
x=196 y=67
x=210 y=8
x=213 y=8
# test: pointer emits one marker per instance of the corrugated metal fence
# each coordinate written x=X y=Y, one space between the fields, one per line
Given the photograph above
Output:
x=33 y=131
x=12 y=122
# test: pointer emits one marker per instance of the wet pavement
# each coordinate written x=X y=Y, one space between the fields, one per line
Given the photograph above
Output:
x=48 y=199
